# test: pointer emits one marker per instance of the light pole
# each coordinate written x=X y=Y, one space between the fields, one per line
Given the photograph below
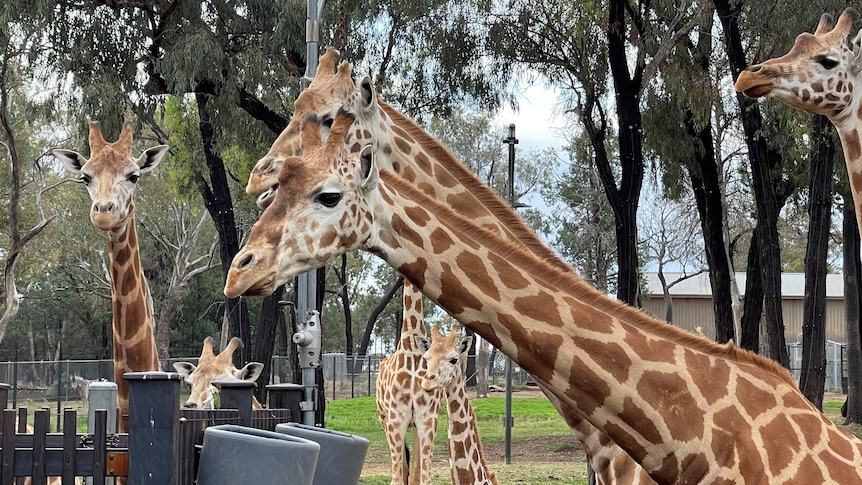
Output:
x=507 y=418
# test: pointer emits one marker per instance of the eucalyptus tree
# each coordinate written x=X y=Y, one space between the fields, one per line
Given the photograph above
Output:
x=25 y=178
x=603 y=54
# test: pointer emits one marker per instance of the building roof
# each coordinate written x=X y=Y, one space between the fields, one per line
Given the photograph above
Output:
x=792 y=285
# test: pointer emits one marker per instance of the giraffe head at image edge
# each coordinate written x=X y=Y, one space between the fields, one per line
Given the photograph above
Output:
x=818 y=74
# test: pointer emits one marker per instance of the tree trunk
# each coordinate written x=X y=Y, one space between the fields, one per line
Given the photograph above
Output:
x=753 y=304
x=813 y=374
x=372 y=319
x=217 y=199
x=482 y=360
x=852 y=288
x=709 y=198
x=625 y=198
x=762 y=158
x=271 y=317
x=170 y=303
x=344 y=296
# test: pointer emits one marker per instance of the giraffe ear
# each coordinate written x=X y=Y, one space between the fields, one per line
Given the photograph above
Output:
x=151 y=157
x=70 y=158
x=250 y=372
x=421 y=343
x=184 y=369
x=856 y=49
x=370 y=174
x=367 y=95
x=466 y=342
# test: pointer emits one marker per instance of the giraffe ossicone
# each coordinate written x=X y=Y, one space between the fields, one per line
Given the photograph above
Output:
x=687 y=409
x=110 y=175
x=214 y=367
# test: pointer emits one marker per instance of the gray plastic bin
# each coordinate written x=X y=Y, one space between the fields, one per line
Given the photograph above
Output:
x=341 y=455
x=234 y=455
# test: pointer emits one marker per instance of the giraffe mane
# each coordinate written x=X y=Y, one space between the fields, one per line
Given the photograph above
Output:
x=570 y=283
x=472 y=184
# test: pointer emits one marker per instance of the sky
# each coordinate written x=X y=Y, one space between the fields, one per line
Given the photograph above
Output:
x=536 y=124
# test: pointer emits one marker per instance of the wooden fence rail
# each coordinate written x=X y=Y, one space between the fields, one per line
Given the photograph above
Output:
x=162 y=446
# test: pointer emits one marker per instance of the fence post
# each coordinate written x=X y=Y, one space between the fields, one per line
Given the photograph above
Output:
x=237 y=394
x=154 y=427
x=4 y=394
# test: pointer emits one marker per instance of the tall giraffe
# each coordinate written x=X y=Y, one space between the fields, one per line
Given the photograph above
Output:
x=405 y=148
x=111 y=175
x=819 y=75
x=687 y=409
x=401 y=401
x=213 y=367
x=443 y=361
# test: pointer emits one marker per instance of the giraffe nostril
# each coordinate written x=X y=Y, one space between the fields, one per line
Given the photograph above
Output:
x=245 y=261
x=191 y=405
x=754 y=68
x=430 y=377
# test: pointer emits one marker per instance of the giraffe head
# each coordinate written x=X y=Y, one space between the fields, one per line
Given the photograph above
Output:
x=111 y=174
x=212 y=367
x=331 y=90
x=817 y=75
x=327 y=212
x=443 y=358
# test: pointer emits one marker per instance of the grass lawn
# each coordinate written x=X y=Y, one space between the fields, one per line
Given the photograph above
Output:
x=543 y=451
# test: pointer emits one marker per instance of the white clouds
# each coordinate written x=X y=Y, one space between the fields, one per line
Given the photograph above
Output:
x=537 y=124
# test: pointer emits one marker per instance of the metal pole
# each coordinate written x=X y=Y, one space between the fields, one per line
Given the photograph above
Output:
x=306 y=283
x=508 y=419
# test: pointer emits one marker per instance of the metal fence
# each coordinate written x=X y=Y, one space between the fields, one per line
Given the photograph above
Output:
x=344 y=376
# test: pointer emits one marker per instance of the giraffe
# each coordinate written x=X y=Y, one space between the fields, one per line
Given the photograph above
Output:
x=687 y=409
x=818 y=75
x=212 y=367
x=443 y=361
x=405 y=148
x=401 y=401
x=111 y=175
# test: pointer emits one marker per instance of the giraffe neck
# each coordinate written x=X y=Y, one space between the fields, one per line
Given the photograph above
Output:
x=466 y=457
x=134 y=341
x=634 y=378
x=412 y=320
x=423 y=161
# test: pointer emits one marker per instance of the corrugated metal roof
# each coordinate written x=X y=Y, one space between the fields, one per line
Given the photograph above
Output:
x=792 y=285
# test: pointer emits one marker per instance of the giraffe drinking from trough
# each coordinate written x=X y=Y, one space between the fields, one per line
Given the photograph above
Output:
x=687 y=409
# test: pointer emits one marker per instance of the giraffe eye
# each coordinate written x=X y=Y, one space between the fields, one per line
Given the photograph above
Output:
x=453 y=361
x=827 y=62
x=328 y=199
x=85 y=179
x=327 y=121
x=133 y=178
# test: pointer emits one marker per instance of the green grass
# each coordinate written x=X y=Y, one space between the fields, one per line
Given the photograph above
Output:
x=532 y=417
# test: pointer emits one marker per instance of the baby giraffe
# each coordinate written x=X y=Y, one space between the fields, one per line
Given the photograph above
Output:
x=443 y=370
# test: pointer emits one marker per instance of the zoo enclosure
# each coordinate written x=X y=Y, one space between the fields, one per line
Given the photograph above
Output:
x=162 y=446
x=345 y=376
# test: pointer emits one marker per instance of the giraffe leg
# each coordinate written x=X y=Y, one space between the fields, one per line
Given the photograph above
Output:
x=396 y=431
x=424 y=437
